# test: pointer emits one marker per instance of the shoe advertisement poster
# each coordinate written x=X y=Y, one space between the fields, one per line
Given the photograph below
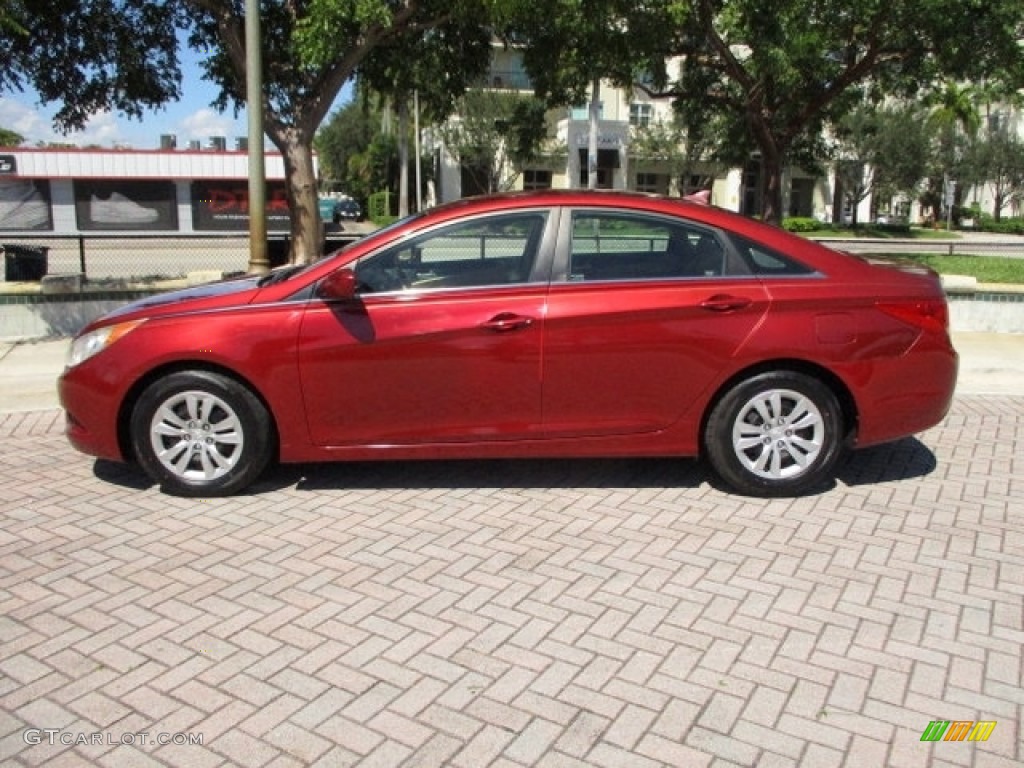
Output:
x=224 y=206
x=24 y=204
x=125 y=205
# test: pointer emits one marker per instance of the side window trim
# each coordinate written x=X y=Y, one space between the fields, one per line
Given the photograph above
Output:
x=540 y=268
x=733 y=267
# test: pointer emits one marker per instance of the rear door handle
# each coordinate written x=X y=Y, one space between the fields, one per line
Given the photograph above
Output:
x=723 y=302
x=507 y=321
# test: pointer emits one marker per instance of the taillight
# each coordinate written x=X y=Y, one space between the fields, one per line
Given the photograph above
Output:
x=927 y=314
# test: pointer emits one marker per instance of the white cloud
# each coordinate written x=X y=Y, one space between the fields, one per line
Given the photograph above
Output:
x=102 y=129
x=204 y=123
x=23 y=119
x=106 y=129
x=36 y=125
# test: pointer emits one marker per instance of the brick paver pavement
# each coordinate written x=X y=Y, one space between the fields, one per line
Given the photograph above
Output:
x=571 y=613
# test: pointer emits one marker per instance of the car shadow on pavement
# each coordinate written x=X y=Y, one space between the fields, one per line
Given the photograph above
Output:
x=902 y=460
x=124 y=475
x=504 y=473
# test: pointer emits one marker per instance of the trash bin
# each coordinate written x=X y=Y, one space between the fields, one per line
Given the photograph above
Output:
x=278 y=251
x=24 y=262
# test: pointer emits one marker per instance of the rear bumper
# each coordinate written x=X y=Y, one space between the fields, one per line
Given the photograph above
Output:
x=908 y=394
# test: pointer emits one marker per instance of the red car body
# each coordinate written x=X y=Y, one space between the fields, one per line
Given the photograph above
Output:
x=554 y=360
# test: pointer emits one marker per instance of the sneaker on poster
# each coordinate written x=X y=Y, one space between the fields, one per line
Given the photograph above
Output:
x=118 y=209
x=22 y=206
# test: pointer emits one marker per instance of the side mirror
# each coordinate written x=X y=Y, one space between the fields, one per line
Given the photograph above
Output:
x=340 y=284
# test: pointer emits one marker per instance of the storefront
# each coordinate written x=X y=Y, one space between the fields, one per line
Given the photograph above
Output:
x=71 y=191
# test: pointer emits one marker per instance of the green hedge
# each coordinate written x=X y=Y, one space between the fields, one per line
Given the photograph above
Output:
x=986 y=223
x=801 y=224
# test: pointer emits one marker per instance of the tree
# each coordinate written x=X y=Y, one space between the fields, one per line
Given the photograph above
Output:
x=434 y=69
x=9 y=138
x=346 y=134
x=493 y=135
x=358 y=148
x=780 y=71
x=93 y=55
x=900 y=148
x=997 y=158
x=310 y=51
x=122 y=56
x=953 y=122
x=856 y=159
x=569 y=46
x=669 y=144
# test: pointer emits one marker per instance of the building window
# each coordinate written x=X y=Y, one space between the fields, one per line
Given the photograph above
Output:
x=583 y=112
x=640 y=114
x=607 y=162
x=536 y=179
x=648 y=182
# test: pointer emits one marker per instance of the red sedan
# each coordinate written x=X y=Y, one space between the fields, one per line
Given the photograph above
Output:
x=539 y=324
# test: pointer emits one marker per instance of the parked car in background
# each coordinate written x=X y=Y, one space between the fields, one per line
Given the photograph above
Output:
x=546 y=324
x=346 y=209
x=326 y=208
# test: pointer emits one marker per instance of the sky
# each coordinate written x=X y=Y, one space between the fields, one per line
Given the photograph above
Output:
x=191 y=118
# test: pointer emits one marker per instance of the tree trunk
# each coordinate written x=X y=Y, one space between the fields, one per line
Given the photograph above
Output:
x=771 y=201
x=772 y=154
x=403 y=155
x=595 y=112
x=301 y=189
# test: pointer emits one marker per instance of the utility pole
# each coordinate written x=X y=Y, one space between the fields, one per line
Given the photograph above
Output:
x=259 y=263
x=595 y=114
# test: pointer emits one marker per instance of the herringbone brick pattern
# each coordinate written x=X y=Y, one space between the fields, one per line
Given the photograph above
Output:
x=571 y=613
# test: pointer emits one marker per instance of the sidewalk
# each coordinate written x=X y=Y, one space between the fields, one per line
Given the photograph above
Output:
x=990 y=364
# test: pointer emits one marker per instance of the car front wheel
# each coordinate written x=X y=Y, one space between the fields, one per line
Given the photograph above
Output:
x=201 y=434
x=775 y=434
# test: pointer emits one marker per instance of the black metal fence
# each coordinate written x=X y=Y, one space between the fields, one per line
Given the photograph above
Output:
x=136 y=258
x=969 y=246
x=140 y=258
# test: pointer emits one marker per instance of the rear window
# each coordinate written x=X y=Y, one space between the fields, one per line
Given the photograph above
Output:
x=764 y=261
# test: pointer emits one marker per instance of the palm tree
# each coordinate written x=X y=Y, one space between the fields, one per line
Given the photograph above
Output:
x=956 y=107
x=955 y=119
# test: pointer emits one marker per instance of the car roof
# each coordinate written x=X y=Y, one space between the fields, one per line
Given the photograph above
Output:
x=641 y=201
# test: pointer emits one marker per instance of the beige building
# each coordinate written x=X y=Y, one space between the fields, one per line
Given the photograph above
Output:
x=624 y=118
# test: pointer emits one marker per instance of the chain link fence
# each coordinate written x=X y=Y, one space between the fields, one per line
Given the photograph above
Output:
x=135 y=258
x=148 y=258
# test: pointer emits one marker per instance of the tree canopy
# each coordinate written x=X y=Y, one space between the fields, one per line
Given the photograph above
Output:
x=750 y=77
x=123 y=56
x=9 y=138
x=776 y=73
x=93 y=55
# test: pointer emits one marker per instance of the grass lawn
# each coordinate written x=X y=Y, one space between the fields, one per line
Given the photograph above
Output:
x=987 y=269
x=881 y=233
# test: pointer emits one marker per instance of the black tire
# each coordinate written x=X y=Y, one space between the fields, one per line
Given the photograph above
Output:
x=778 y=433
x=198 y=433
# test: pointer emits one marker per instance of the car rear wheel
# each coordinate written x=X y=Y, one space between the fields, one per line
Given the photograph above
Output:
x=201 y=434
x=775 y=434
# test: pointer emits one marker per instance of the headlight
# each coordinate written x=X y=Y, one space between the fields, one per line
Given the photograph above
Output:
x=89 y=344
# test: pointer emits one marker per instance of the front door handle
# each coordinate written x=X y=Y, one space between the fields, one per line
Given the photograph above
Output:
x=507 y=321
x=723 y=302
